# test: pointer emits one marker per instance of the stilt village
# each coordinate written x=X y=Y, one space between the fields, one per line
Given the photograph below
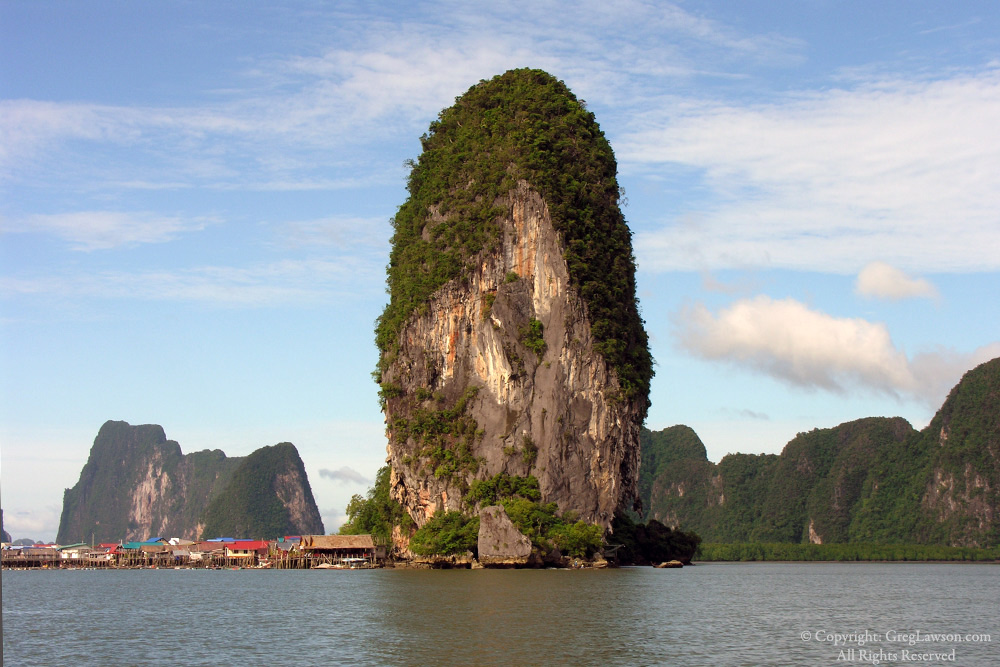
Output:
x=296 y=552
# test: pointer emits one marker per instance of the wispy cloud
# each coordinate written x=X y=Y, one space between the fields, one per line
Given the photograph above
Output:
x=906 y=171
x=103 y=230
x=344 y=475
x=280 y=283
x=882 y=281
x=744 y=414
x=372 y=80
x=787 y=340
x=337 y=231
x=39 y=524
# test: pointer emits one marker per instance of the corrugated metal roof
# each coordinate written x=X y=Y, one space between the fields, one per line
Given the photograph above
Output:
x=247 y=545
x=337 y=542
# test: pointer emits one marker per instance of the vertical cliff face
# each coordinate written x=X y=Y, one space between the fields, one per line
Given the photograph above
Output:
x=267 y=496
x=4 y=535
x=528 y=357
x=137 y=484
x=961 y=494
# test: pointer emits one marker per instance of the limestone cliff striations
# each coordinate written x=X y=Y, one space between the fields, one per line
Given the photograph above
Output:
x=137 y=484
x=531 y=359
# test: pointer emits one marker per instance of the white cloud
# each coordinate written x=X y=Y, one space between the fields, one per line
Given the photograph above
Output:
x=374 y=78
x=28 y=127
x=787 y=340
x=338 y=231
x=905 y=171
x=103 y=230
x=274 y=284
x=344 y=475
x=882 y=281
x=38 y=523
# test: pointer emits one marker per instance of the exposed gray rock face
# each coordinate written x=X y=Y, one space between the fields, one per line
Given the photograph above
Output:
x=555 y=411
x=137 y=484
x=500 y=542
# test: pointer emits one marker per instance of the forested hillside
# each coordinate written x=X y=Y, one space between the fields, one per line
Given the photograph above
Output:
x=873 y=480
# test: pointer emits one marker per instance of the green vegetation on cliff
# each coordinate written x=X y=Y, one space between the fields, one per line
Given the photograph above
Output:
x=251 y=504
x=122 y=458
x=874 y=481
x=445 y=436
x=376 y=513
x=942 y=486
x=521 y=125
x=454 y=532
x=812 y=489
x=540 y=522
x=446 y=533
x=137 y=484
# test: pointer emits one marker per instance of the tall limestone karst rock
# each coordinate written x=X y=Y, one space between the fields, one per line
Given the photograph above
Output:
x=512 y=342
x=137 y=484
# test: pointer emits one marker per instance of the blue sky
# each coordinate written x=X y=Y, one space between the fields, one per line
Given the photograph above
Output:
x=195 y=202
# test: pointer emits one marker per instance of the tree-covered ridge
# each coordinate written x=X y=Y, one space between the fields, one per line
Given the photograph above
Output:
x=4 y=535
x=522 y=125
x=857 y=551
x=813 y=489
x=943 y=484
x=871 y=481
x=251 y=506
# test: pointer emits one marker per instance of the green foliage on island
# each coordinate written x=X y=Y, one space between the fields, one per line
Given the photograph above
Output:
x=816 y=483
x=541 y=523
x=455 y=532
x=870 y=481
x=501 y=487
x=845 y=552
x=250 y=505
x=522 y=125
x=446 y=533
x=444 y=436
x=943 y=484
x=376 y=513
x=547 y=529
x=99 y=505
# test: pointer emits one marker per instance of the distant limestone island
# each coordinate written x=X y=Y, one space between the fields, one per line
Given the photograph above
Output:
x=874 y=481
x=137 y=484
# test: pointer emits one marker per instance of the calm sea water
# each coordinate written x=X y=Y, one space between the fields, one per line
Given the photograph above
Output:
x=713 y=614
